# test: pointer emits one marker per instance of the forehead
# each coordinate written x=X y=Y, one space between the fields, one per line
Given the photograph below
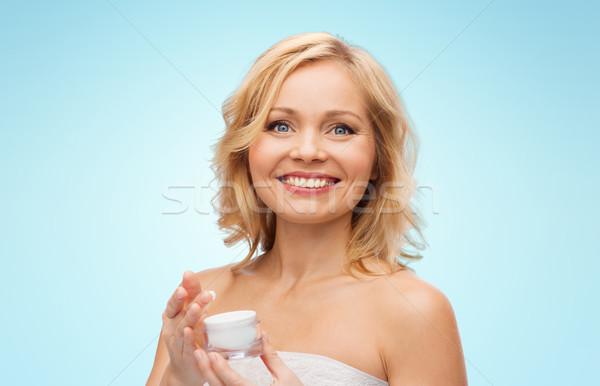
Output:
x=320 y=86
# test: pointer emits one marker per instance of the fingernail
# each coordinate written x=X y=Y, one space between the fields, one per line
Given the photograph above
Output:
x=207 y=296
x=213 y=357
x=178 y=293
x=198 y=355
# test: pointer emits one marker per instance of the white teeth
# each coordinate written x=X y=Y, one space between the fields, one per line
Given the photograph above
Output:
x=307 y=183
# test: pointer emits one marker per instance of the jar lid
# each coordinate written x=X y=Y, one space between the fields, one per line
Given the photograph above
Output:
x=230 y=319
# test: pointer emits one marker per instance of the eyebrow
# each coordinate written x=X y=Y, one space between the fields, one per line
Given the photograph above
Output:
x=330 y=113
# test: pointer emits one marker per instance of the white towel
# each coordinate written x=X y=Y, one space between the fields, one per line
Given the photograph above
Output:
x=312 y=369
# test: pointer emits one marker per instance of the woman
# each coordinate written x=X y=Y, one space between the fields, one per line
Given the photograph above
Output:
x=316 y=166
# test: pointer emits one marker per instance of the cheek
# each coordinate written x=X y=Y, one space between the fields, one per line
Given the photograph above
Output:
x=255 y=165
x=362 y=163
x=262 y=160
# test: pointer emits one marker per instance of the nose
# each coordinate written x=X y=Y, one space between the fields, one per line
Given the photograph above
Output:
x=308 y=147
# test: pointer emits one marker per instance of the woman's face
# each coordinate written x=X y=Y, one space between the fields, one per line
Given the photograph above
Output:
x=313 y=160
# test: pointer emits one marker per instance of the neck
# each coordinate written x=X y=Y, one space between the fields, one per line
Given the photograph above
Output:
x=305 y=252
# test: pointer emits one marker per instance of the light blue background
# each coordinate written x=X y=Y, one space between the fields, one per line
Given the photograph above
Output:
x=96 y=125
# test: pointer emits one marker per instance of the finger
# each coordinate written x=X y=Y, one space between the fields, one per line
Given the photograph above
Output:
x=274 y=363
x=226 y=373
x=191 y=284
x=187 y=321
x=203 y=300
x=206 y=368
x=189 y=343
x=192 y=315
x=175 y=303
x=190 y=318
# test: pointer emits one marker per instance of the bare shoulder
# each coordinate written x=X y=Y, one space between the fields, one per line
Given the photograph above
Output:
x=405 y=302
x=422 y=342
x=215 y=278
x=403 y=291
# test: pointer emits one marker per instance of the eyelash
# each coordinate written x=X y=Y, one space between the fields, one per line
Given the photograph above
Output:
x=273 y=125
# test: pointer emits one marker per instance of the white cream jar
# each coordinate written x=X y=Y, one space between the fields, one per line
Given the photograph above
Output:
x=234 y=335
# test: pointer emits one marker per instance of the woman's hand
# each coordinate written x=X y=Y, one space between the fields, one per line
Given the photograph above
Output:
x=219 y=373
x=185 y=311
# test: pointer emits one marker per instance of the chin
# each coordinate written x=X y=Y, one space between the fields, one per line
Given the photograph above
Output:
x=319 y=216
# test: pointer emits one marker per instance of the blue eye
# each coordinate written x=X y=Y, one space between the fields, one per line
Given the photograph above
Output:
x=342 y=130
x=280 y=127
x=339 y=130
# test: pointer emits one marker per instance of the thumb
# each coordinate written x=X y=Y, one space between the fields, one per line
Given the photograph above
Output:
x=272 y=360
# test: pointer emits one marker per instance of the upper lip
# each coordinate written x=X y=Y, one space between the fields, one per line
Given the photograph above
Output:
x=308 y=175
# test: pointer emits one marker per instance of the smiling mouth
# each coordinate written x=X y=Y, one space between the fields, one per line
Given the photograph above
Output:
x=310 y=183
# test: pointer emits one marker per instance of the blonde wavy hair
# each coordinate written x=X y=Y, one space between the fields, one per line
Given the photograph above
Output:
x=383 y=218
